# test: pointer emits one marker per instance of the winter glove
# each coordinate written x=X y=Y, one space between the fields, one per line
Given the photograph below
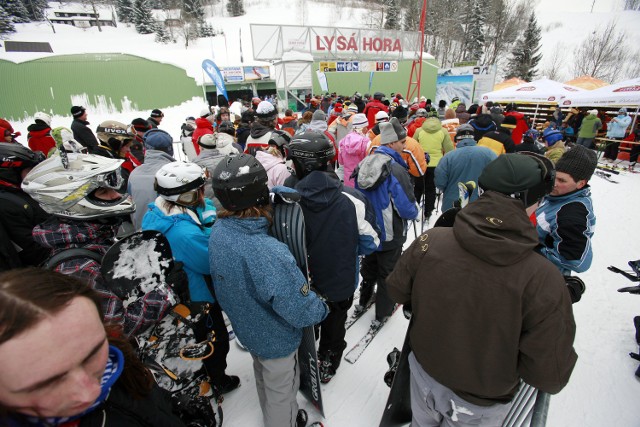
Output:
x=406 y=310
x=427 y=157
x=179 y=282
x=576 y=287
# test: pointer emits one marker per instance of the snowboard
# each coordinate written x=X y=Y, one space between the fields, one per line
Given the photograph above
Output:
x=288 y=227
x=397 y=411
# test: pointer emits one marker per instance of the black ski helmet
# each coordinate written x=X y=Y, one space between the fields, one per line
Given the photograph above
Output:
x=240 y=182
x=378 y=96
x=464 y=131
x=310 y=151
x=14 y=158
x=525 y=176
x=227 y=127
x=280 y=139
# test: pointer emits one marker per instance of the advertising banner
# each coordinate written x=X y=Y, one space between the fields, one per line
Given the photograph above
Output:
x=215 y=75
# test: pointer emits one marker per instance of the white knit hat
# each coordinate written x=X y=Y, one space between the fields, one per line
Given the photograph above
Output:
x=359 y=121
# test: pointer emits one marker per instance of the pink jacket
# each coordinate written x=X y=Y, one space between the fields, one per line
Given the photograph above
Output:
x=353 y=148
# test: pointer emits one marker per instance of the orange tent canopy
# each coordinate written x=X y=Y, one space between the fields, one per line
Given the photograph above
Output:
x=514 y=81
x=587 y=82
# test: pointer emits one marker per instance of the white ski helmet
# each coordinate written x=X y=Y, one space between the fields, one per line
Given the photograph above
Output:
x=43 y=117
x=69 y=192
x=178 y=182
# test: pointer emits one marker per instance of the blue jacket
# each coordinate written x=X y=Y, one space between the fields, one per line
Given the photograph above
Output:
x=565 y=227
x=340 y=225
x=188 y=235
x=383 y=178
x=617 y=127
x=260 y=287
x=463 y=164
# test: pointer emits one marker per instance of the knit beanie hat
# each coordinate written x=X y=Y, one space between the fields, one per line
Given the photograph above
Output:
x=525 y=177
x=338 y=107
x=359 y=121
x=319 y=115
x=266 y=111
x=387 y=134
x=400 y=131
x=205 y=112
x=141 y=125
x=579 y=162
x=381 y=116
x=77 y=111
x=156 y=113
x=593 y=112
x=353 y=108
x=157 y=139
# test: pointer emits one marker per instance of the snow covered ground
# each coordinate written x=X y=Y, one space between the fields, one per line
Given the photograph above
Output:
x=603 y=390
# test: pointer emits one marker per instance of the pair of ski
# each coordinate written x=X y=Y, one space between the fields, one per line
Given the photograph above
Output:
x=635 y=265
x=606 y=176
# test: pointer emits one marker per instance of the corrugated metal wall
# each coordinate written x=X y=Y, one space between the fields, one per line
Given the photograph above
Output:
x=106 y=82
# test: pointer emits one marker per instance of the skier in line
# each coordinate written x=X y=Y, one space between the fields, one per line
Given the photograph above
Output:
x=383 y=178
x=19 y=213
x=332 y=213
x=185 y=216
x=62 y=367
x=260 y=287
x=469 y=355
x=565 y=218
x=80 y=128
x=86 y=212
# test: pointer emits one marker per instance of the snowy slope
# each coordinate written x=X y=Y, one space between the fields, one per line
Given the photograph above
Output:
x=602 y=391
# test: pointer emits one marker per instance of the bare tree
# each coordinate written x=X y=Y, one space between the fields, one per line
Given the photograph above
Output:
x=602 y=55
x=505 y=21
x=553 y=66
x=632 y=68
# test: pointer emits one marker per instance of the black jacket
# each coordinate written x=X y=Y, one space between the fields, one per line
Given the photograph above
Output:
x=19 y=213
x=332 y=233
x=83 y=134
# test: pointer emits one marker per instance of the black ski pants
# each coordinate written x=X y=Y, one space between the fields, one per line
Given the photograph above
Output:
x=332 y=329
x=375 y=268
x=429 y=191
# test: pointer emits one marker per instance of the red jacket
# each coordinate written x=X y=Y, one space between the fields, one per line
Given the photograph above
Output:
x=41 y=140
x=371 y=109
x=415 y=125
x=521 y=126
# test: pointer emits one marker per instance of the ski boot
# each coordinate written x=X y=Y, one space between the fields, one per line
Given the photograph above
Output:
x=330 y=361
x=366 y=295
x=302 y=418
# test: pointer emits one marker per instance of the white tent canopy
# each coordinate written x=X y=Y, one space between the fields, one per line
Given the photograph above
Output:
x=626 y=93
x=537 y=91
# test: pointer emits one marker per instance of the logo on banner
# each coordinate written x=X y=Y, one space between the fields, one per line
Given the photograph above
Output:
x=215 y=75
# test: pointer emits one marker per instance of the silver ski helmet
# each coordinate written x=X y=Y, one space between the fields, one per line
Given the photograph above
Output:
x=70 y=191
x=179 y=182
x=240 y=182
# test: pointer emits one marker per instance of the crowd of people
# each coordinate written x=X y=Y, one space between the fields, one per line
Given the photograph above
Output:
x=365 y=168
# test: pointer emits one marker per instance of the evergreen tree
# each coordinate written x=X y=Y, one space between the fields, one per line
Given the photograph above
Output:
x=6 y=23
x=525 y=57
x=411 y=20
x=193 y=10
x=235 y=7
x=142 y=17
x=206 y=30
x=36 y=9
x=124 y=8
x=474 y=36
x=16 y=9
x=392 y=21
x=162 y=35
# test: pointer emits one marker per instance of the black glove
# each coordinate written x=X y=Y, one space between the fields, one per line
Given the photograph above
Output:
x=406 y=310
x=178 y=281
x=576 y=287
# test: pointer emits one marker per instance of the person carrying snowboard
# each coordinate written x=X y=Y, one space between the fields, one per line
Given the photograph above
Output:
x=488 y=311
x=333 y=212
x=184 y=216
x=260 y=287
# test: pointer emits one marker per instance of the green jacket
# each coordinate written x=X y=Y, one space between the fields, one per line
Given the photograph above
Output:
x=589 y=127
x=434 y=140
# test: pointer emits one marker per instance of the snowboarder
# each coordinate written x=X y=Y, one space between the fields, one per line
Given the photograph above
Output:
x=456 y=377
x=333 y=269
x=260 y=287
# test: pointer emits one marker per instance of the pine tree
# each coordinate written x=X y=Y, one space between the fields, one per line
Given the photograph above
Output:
x=474 y=35
x=142 y=17
x=36 y=9
x=16 y=9
x=392 y=21
x=525 y=57
x=162 y=35
x=6 y=23
x=411 y=20
x=124 y=8
x=235 y=7
x=206 y=30
x=193 y=10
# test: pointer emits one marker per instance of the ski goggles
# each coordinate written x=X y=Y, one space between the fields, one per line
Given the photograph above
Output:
x=111 y=179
